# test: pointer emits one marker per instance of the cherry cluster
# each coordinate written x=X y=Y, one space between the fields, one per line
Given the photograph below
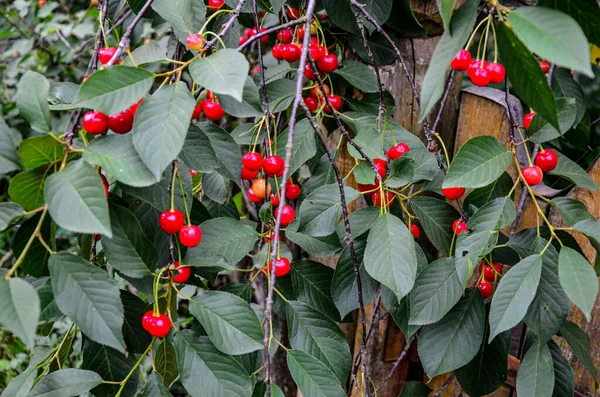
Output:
x=481 y=72
x=210 y=106
x=488 y=275
x=96 y=123
x=171 y=221
x=250 y=32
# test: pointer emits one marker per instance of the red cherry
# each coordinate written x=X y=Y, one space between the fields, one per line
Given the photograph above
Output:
x=481 y=77
x=171 y=221
x=527 y=120
x=414 y=229
x=309 y=74
x=291 y=53
x=486 y=288
x=264 y=38
x=95 y=122
x=253 y=197
x=311 y=103
x=247 y=32
x=459 y=226
x=397 y=151
x=488 y=272
x=533 y=175
x=496 y=72
x=287 y=215
x=453 y=193
x=121 y=123
x=104 y=184
x=328 y=63
x=389 y=198
x=193 y=173
x=273 y=165
x=277 y=51
x=213 y=110
x=215 y=5
x=292 y=192
x=285 y=36
x=274 y=200
x=545 y=66
x=461 y=61
x=190 y=235
x=183 y=273
x=242 y=40
x=105 y=54
x=292 y=13
x=336 y=103
x=547 y=160
x=316 y=92
x=248 y=175
x=282 y=267
x=133 y=108
x=367 y=188
x=252 y=161
x=194 y=41
x=198 y=110
x=85 y=78
x=473 y=66
x=380 y=166
x=317 y=51
x=157 y=326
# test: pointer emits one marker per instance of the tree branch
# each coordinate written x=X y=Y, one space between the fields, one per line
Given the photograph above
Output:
x=397 y=362
x=446 y=385
x=125 y=39
x=271 y=30
x=234 y=15
x=443 y=102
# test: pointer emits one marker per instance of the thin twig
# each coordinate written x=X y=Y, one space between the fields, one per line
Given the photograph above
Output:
x=271 y=30
x=6 y=257
x=443 y=102
x=446 y=385
x=234 y=15
x=397 y=362
x=125 y=39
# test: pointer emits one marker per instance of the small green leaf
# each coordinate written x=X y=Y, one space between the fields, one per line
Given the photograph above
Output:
x=312 y=282
x=134 y=309
x=27 y=188
x=564 y=85
x=571 y=211
x=570 y=170
x=313 y=378
x=446 y=7
x=369 y=140
x=579 y=342
x=399 y=311
x=40 y=150
x=358 y=75
x=402 y=172
x=541 y=131
x=66 y=383
x=9 y=140
x=35 y=262
x=578 y=279
x=223 y=72
x=8 y=212
x=415 y=389
x=20 y=309
x=32 y=101
x=436 y=217
x=536 y=374
x=148 y=53
x=481 y=196
x=495 y=215
x=165 y=362
x=250 y=106
x=154 y=387
x=111 y=365
x=469 y=248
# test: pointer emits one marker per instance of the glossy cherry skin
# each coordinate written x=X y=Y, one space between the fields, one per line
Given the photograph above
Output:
x=336 y=103
x=317 y=93
x=253 y=197
x=273 y=165
x=198 y=110
x=481 y=77
x=533 y=175
x=389 y=199
x=380 y=166
x=453 y=193
x=397 y=151
x=105 y=185
x=95 y=122
x=287 y=214
x=292 y=192
x=242 y=40
x=264 y=38
x=291 y=53
x=105 y=54
x=292 y=13
x=190 y=235
x=215 y=5
x=328 y=63
x=459 y=226
x=309 y=74
x=285 y=36
x=461 y=61
x=213 y=110
x=368 y=188
x=282 y=267
x=488 y=272
x=274 y=200
x=311 y=103
x=485 y=288
x=277 y=51
x=157 y=326
x=194 y=41
x=133 y=108
x=414 y=229
x=473 y=66
x=546 y=159
x=259 y=187
x=545 y=66
x=252 y=161
x=527 y=120
x=171 y=221
x=497 y=72
x=248 y=175
x=317 y=51
x=193 y=173
x=183 y=273
x=121 y=123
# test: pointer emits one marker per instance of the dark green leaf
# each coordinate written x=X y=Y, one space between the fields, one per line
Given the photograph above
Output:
x=40 y=150
x=358 y=75
x=402 y=172
x=536 y=374
x=570 y=170
x=281 y=94
x=495 y=215
x=361 y=221
x=27 y=188
x=165 y=362
x=66 y=383
x=585 y=12
x=541 y=131
x=304 y=146
x=578 y=279
x=320 y=211
x=446 y=7
x=111 y=365
x=415 y=389
x=564 y=85
x=35 y=262
x=313 y=378
x=468 y=250
x=312 y=282
x=20 y=309
x=315 y=246
x=436 y=217
x=155 y=388
x=32 y=101
x=571 y=211
x=250 y=106
x=481 y=196
x=564 y=378
x=223 y=72
x=241 y=288
x=399 y=311
x=148 y=53
x=579 y=342
x=8 y=212
x=136 y=337
x=9 y=140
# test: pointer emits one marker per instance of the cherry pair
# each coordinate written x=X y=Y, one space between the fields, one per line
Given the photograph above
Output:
x=252 y=162
x=545 y=161
x=172 y=221
x=97 y=123
x=480 y=72
x=210 y=106
x=249 y=32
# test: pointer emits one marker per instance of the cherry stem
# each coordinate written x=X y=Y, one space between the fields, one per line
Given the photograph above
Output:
x=21 y=257
x=125 y=39
x=485 y=41
x=174 y=173
x=183 y=196
x=475 y=32
x=135 y=367
x=212 y=17
x=439 y=138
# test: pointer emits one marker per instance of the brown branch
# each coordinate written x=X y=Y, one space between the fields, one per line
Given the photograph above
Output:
x=443 y=102
x=234 y=15
x=271 y=30
x=445 y=386
x=397 y=362
x=125 y=39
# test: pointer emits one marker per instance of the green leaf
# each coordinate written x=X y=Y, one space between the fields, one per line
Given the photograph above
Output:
x=241 y=288
x=541 y=131
x=320 y=211
x=564 y=85
x=313 y=378
x=185 y=16
x=35 y=262
x=205 y=371
x=358 y=75
x=314 y=246
x=62 y=93
x=21 y=309
x=570 y=170
x=32 y=101
x=454 y=340
x=436 y=217
x=536 y=374
x=370 y=141
x=77 y=201
x=446 y=49
x=393 y=265
x=578 y=279
x=312 y=281
x=9 y=140
x=27 y=188
x=8 y=212
x=446 y=7
x=250 y=106
x=129 y=250
x=525 y=75
x=399 y=311
x=229 y=321
x=361 y=221
x=86 y=294
x=514 y=294
x=225 y=237
x=468 y=250
x=161 y=125
x=148 y=53
x=481 y=196
x=571 y=211
x=585 y=12
x=402 y=172
x=479 y=162
x=564 y=378
x=320 y=337
x=134 y=309
x=111 y=365
x=415 y=389
x=66 y=383
x=118 y=157
x=40 y=150
x=154 y=387
x=591 y=228
x=579 y=342
x=342 y=15
x=495 y=215
x=223 y=72
x=436 y=291
x=304 y=146
x=165 y=362
x=112 y=90
x=554 y=36
x=281 y=95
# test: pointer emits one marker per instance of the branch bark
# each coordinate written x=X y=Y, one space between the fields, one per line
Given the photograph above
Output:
x=125 y=39
x=271 y=30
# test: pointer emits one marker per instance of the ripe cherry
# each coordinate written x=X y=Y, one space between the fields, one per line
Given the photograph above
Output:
x=496 y=72
x=397 y=151
x=317 y=51
x=183 y=273
x=252 y=161
x=291 y=53
x=171 y=221
x=380 y=166
x=453 y=193
x=292 y=13
x=285 y=36
x=486 y=288
x=311 y=103
x=133 y=108
x=473 y=66
x=368 y=188
x=105 y=54
x=264 y=38
x=533 y=175
x=489 y=273
x=277 y=51
x=414 y=229
x=259 y=187
x=95 y=122
x=242 y=40
x=282 y=267
x=41 y=3
x=104 y=185
x=213 y=109
x=527 y=120
x=274 y=200
x=459 y=226
x=300 y=32
x=292 y=192
x=198 y=110
x=547 y=160
x=309 y=74
x=193 y=173
x=248 y=175
x=336 y=103
x=317 y=93
x=545 y=66
x=157 y=326
x=461 y=61
x=273 y=165
x=215 y=5
x=481 y=77
x=121 y=123
x=388 y=200
x=194 y=41
x=328 y=63
x=253 y=197
x=190 y=235
x=287 y=215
